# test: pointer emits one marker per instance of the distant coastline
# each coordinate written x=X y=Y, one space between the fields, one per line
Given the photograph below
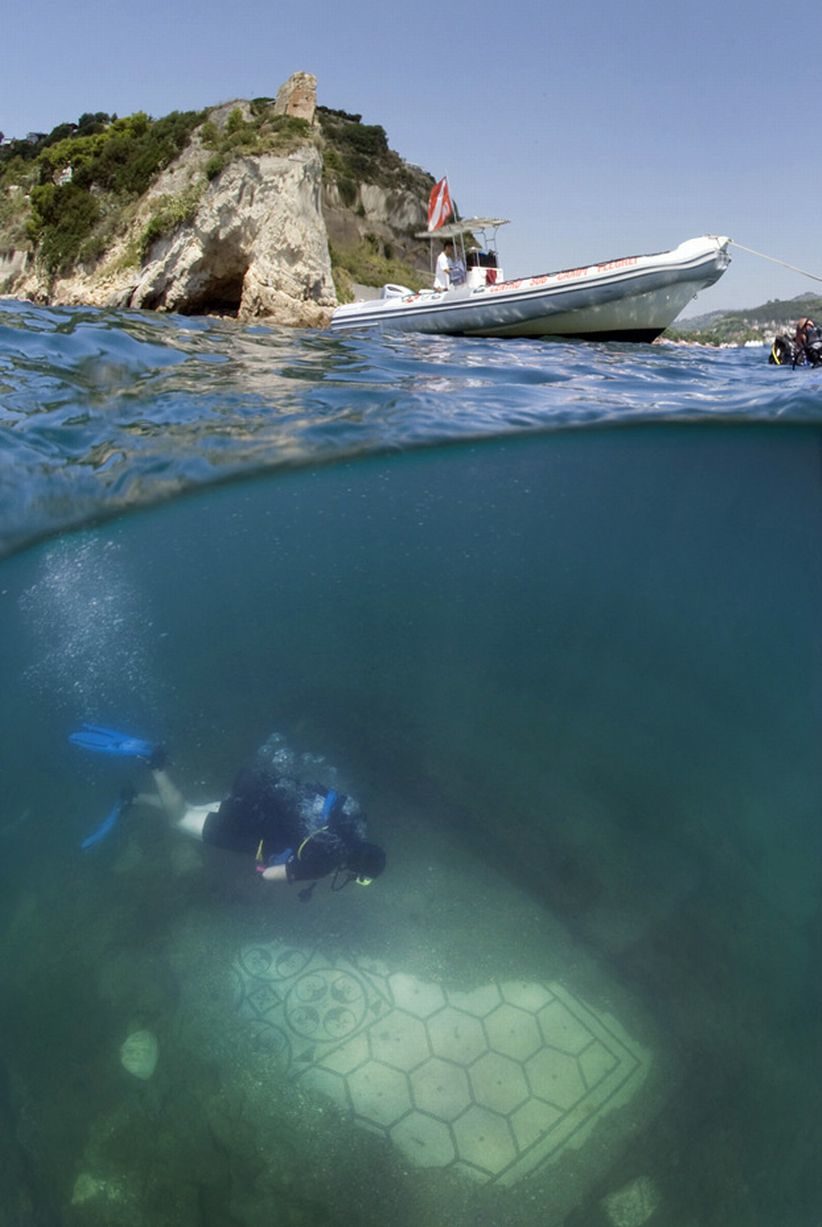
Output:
x=754 y=325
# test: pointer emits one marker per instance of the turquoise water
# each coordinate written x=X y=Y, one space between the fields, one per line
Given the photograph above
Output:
x=568 y=653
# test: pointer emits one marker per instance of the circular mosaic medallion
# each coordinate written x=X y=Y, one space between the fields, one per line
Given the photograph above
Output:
x=325 y=1005
x=265 y=963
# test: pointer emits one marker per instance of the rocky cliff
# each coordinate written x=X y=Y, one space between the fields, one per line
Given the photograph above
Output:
x=264 y=207
x=256 y=244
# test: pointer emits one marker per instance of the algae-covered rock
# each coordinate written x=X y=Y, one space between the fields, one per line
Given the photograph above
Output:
x=139 y=1054
x=632 y=1205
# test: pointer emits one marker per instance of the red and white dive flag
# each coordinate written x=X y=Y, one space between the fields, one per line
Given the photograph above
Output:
x=439 y=205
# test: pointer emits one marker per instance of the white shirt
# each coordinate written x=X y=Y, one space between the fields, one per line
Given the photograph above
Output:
x=442 y=275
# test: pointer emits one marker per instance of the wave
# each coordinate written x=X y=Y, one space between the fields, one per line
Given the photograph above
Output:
x=106 y=410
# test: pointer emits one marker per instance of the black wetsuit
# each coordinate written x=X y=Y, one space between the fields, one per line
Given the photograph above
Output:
x=270 y=809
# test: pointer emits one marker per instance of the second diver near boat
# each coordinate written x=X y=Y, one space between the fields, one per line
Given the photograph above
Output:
x=296 y=829
x=804 y=348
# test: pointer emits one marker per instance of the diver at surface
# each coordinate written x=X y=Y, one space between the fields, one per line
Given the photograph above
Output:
x=804 y=348
x=297 y=830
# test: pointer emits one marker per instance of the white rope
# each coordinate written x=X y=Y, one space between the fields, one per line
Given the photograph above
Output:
x=773 y=260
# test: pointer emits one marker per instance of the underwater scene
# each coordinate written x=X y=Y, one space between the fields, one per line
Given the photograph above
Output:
x=551 y=614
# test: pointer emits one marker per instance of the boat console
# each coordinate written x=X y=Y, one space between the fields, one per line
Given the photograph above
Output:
x=482 y=268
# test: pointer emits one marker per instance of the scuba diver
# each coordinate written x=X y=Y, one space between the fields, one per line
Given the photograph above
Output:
x=295 y=829
x=804 y=348
x=808 y=342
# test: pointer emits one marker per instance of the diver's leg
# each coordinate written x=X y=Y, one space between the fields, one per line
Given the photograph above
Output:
x=171 y=799
x=149 y=799
x=194 y=819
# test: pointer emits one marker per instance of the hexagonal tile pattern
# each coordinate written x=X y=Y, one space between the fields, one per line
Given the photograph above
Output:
x=513 y=1031
x=331 y=1085
x=485 y=1139
x=399 y=1040
x=379 y=1094
x=561 y=1029
x=491 y=1082
x=456 y=1035
x=348 y=1056
x=478 y=1001
x=418 y=998
x=498 y=1083
x=441 y=1088
x=424 y=1140
x=555 y=1077
x=532 y=1120
x=596 y=1062
x=527 y=996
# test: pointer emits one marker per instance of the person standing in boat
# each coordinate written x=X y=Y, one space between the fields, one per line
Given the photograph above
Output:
x=450 y=269
x=442 y=271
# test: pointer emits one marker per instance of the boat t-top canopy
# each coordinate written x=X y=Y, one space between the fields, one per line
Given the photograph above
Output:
x=466 y=225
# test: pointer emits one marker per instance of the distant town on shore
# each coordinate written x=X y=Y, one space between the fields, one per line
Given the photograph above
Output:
x=750 y=325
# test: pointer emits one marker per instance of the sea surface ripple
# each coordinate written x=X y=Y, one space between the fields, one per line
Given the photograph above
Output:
x=101 y=410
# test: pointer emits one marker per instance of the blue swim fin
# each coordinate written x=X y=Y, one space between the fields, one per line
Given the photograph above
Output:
x=109 y=822
x=109 y=741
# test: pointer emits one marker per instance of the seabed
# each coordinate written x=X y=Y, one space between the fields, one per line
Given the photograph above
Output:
x=492 y=1083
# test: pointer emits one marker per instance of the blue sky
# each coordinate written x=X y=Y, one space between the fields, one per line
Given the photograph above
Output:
x=600 y=129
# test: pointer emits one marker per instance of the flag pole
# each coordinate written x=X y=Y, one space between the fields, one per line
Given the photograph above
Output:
x=439 y=197
x=460 y=236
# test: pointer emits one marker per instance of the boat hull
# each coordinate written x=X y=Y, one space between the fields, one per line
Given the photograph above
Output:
x=632 y=299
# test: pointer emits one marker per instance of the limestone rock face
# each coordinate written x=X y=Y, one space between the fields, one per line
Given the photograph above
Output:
x=385 y=213
x=248 y=240
x=12 y=264
x=257 y=246
x=298 y=96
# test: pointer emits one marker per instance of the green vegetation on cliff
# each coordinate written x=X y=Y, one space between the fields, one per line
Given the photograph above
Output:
x=73 y=197
x=354 y=153
x=79 y=178
x=367 y=264
x=252 y=133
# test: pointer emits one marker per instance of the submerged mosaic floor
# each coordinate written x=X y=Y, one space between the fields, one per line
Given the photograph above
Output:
x=492 y=1083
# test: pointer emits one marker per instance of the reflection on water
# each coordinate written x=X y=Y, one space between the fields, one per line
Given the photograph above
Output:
x=575 y=680
x=105 y=410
